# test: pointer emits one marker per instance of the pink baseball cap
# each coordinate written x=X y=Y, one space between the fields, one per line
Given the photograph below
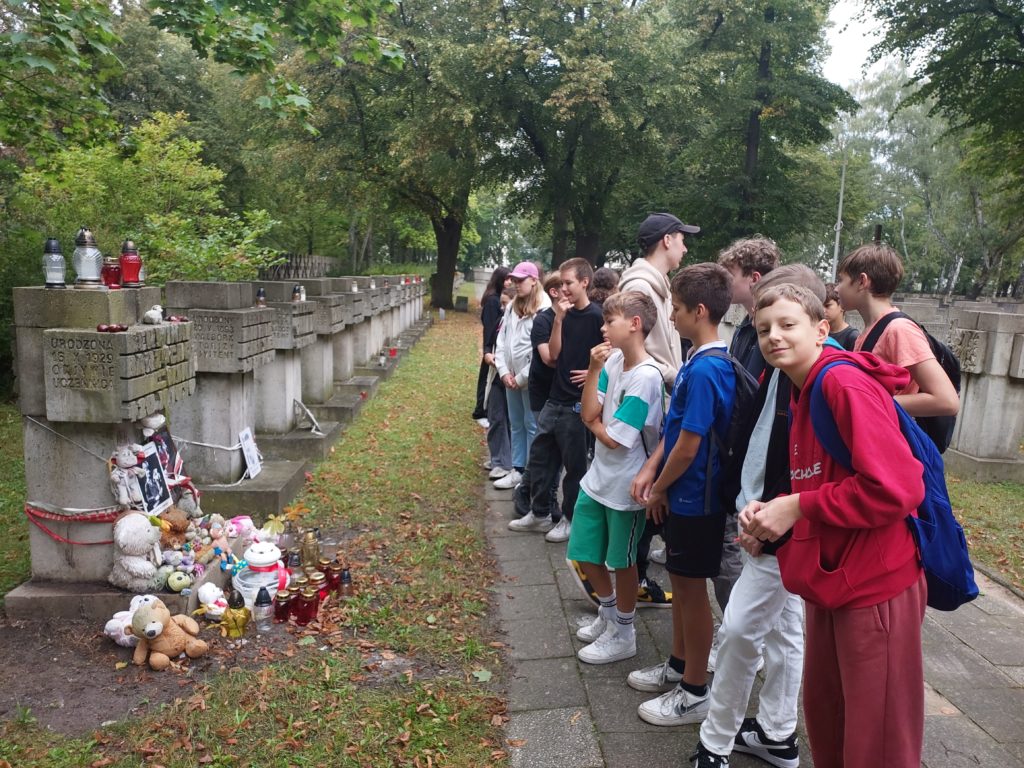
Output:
x=525 y=269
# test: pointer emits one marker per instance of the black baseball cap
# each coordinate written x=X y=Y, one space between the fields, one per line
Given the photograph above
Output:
x=657 y=225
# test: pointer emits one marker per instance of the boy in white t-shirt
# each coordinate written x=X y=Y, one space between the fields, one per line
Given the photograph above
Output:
x=623 y=406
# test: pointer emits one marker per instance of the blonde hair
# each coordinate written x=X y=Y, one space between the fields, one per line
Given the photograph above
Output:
x=794 y=274
x=528 y=306
x=632 y=304
x=810 y=303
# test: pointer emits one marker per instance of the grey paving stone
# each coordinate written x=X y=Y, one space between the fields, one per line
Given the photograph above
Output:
x=546 y=684
x=492 y=493
x=666 y=747
x=658 y=622
x=522 y=546
x=538 y=639
x=553 y=738
x=999 y=711
x=613 y=706
x=997 y=638
x=1015 y=673
x=523 y=573
x=530 y=602
x=952 y=742
x=950 y=666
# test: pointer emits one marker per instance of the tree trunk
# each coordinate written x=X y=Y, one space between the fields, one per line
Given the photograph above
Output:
x=448 y=234
x=587 y=246
x=762 y=97
x=560 y=235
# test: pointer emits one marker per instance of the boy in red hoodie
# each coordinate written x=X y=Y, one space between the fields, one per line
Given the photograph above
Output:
x=851 y=555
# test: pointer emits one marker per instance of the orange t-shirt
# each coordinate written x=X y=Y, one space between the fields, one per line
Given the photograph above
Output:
x=902 y=343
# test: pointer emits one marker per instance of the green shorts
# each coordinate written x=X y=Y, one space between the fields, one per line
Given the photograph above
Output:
x=601 y=534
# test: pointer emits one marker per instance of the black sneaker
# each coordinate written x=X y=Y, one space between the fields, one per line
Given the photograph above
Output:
x=581 y=581
x=704 y=759
x=650 y=595
x=751 y=740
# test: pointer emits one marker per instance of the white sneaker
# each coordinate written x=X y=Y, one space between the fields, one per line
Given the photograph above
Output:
x=484 y=423
x=588 y=633
x=660 y=677
x=487 y=464
x=560 y=532
x=677 y=707
x=509 y=481
x=657 y=556
x=529 y=523
x=615 y=644
x=497 y=473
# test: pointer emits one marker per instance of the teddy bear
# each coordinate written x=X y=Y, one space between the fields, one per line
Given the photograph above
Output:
x=163 y=637
x=124 y=476
x=175 y=534
x=118 y=628
x=136 y=553
x=211 y=601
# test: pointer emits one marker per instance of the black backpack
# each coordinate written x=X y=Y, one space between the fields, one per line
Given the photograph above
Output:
x=938 y=428
x=742 y=407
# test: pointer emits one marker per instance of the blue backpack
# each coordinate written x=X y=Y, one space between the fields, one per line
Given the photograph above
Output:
x=941 y=546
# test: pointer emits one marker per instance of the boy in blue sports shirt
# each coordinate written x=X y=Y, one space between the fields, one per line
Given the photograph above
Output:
x=622 y=407
x=673 y=485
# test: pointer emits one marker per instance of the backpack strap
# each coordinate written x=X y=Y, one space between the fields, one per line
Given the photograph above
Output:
x=879 y=329
x=716 y=440
x=824 y=423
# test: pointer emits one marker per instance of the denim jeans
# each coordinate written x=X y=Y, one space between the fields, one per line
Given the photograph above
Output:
x=521 y=499
x=521 y=423
x=497 y=433
x=560 y=442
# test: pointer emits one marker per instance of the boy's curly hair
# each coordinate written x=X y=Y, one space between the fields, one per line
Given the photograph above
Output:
x=751 y=254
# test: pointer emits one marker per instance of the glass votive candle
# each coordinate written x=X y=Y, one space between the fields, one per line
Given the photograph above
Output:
x=282 y=606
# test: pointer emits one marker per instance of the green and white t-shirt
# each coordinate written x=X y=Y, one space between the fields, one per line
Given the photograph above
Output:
x=633 y=404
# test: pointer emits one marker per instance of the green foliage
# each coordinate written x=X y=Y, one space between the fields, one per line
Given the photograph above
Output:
x=154 y=189
x=54 y=57
x=249 y=35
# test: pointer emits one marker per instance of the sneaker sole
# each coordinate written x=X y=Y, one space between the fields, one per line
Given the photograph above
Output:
x=641 y=603
x=556 y=539
x=587 y=638
x=580 y=580
x=605 y=659
x=696 y=716
x=651 y=687
x=767 y=757
x=531 y=529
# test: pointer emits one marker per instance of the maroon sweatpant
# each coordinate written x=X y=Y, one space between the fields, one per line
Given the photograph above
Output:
x=864 y=683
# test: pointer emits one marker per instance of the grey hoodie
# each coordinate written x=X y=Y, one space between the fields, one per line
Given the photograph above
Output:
x=663 y=341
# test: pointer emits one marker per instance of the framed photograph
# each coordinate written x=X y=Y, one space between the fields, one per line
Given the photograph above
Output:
x=167 y=451
x=156 y=493
x=250 y=452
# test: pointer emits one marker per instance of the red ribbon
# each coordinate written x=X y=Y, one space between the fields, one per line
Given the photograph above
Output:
x=282 y=572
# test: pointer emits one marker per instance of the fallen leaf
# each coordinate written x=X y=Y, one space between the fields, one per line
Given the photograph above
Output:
x=121 y=665
x=482 y=675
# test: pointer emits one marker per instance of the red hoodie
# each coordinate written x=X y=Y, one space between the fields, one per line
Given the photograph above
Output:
x=852 y=548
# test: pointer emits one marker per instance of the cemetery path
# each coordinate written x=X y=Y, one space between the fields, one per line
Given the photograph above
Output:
x=566 y=714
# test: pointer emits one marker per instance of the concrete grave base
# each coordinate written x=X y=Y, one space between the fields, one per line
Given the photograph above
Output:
x=340 y=408
x=266 y=494
x=301 y=443
x=363 y=387
x=983 y=470
x=37 y=600
x=374 y=368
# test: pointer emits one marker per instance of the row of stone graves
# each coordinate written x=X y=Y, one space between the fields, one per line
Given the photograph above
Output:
x=287 y=365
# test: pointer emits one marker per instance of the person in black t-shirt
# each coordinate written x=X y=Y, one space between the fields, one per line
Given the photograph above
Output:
x=490 y=314
x=838 y=328
x=561 y=435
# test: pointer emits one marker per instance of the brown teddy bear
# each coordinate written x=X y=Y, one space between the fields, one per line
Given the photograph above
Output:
x=175 y=532
x=163 y=637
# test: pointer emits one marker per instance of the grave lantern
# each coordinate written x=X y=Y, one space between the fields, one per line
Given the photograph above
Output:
x=54 y=267
x=87 y=260
x=131 y=266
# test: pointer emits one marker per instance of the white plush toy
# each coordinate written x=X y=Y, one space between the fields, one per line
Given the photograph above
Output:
x=154 y=315
x=136 y=553
x=124 y=477
x=212 y=602
x=118 y=628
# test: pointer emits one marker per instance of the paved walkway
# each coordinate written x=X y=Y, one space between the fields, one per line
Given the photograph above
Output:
x=565 y=714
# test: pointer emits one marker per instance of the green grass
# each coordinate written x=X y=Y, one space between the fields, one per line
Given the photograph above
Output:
x=992 y=515
x=402 y=487
x=14 y=557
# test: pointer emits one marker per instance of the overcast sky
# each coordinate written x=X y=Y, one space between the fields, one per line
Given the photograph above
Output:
x=851 y=40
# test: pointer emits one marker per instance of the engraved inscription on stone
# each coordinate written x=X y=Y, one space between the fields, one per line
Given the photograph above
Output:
x=215 y=335
x=74 y=362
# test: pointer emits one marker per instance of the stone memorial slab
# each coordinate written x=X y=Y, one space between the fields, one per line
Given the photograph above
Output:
x=234 y=340
x=193 y=293
x=96 y=377
x=293 y=323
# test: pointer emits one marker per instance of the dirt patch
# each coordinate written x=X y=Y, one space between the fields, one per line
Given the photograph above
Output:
x=67 y=678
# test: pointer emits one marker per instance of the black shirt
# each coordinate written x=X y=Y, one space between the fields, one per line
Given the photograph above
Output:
x=490 y=316
x=846 y=337
x=581 y=332
x=541 y=374
x=744 y=348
